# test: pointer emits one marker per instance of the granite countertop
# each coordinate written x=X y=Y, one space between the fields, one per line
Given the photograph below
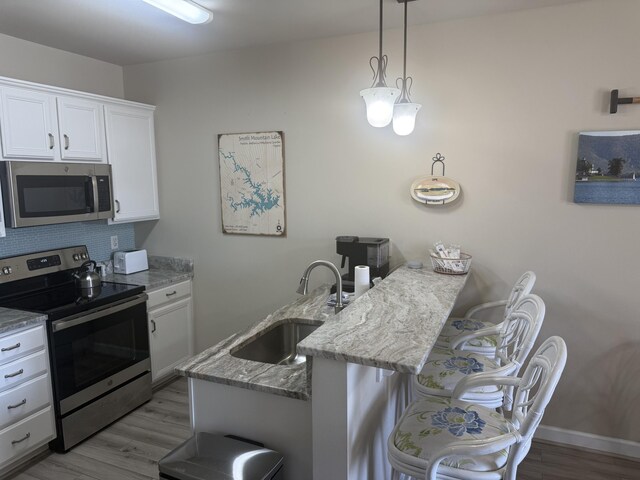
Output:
x=16 y=319
x=162 y=271
x=218 y=365
x=392 y=326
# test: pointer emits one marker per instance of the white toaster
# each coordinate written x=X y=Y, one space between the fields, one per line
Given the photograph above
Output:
x=130 y=262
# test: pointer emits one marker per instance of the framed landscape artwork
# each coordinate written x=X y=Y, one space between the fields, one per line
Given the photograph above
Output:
x=252 y=183
x=608 y=168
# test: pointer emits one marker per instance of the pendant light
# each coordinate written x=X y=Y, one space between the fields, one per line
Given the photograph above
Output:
x=379 y=98
x=404 y=112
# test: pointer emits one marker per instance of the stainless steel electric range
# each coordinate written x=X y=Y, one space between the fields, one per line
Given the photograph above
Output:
x=98 y=339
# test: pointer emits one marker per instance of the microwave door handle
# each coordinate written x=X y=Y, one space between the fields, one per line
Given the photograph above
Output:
x=94 y=187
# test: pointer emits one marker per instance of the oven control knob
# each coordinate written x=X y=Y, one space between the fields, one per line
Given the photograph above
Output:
x=6 y=270
x=84 y=256
x=76 y=257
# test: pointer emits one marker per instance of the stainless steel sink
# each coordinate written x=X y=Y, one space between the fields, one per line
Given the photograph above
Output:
x=277 y=345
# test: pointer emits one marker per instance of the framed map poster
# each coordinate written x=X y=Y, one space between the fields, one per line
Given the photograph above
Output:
x=252 y=183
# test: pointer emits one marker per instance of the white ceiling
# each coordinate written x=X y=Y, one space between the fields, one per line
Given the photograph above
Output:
x=127 y=32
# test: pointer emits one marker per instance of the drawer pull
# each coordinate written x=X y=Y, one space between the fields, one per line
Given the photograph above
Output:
x=6 y=349
x=10 y=407
x=14 y=374
x=15 y=442
x=171 y=294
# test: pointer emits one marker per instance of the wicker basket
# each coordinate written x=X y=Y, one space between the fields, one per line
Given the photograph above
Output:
x=451 y=266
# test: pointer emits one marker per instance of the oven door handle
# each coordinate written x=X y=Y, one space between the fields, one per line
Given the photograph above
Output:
x=84 y=317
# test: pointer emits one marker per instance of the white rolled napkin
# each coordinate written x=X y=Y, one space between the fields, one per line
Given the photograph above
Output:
x=361 y=273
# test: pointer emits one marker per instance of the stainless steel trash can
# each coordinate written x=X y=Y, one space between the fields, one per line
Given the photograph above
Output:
x=206 y=456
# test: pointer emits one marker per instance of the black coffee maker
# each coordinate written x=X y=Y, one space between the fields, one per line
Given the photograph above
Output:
x=370 y=251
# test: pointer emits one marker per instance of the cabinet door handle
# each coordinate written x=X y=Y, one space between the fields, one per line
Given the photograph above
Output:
x=6 y=349
x=52 y=142
x=153 y=326
x=171 y=294
x=66 y=141
x=14 y=374
x=10 y=407
x=15 y=442
x=117 y=206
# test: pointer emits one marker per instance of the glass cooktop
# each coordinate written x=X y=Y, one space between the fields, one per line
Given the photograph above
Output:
x=65 y=300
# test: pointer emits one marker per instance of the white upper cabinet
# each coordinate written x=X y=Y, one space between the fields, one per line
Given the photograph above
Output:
x=131 y=152
x=28 y=125
x=81 y=128
x=170 y=312
x=39 y=126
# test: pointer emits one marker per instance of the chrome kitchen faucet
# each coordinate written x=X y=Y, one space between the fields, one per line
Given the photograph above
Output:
x=304 y=281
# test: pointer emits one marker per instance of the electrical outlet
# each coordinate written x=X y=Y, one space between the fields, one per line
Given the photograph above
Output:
x=114 y=242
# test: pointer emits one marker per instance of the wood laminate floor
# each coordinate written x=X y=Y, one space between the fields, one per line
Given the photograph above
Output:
x=130 y=449
x=548 y=461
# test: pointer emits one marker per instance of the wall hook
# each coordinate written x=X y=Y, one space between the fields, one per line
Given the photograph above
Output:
x=437 y=159
x=616 y=100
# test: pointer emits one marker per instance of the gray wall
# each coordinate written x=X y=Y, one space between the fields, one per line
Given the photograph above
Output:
x=503 y=99
x=37 y=63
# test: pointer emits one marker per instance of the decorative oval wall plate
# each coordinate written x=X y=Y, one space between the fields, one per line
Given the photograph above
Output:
x=435 y=190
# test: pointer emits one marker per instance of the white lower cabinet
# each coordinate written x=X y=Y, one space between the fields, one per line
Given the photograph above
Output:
x=26 y=415
x=14 y=373
x=26 y=435
x=29 y=397
x=170 y=311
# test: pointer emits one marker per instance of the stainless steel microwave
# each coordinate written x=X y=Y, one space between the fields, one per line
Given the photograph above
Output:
x=39 y=193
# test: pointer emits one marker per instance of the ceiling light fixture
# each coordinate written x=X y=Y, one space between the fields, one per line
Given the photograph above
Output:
x=404 y=111
x=379 y=98
x=183 y=9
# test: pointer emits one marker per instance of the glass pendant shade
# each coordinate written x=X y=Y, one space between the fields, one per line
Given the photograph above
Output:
x=404 y=117
x=380 y=101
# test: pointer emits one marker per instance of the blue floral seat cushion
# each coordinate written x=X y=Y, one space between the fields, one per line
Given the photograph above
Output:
x=430 y=424
x=455 y=326
x=446 y=367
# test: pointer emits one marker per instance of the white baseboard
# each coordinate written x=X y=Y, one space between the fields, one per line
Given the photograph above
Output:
x=588 y=440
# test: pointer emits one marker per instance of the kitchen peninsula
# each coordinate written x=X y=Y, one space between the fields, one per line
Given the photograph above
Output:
x=330 y=415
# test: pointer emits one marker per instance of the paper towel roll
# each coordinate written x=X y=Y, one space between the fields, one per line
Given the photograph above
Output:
x=361 y=274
